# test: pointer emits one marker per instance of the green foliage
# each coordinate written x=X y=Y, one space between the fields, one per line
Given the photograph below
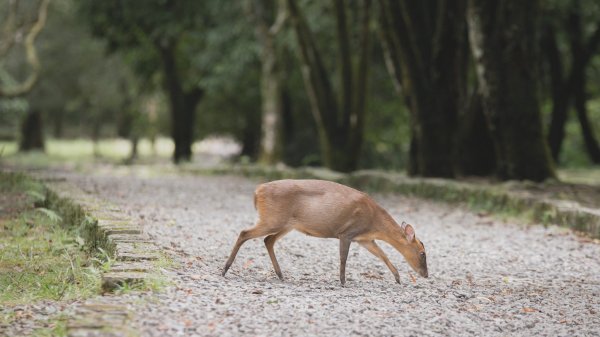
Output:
x=101 y=67
x=52 y=216
x=39 y=259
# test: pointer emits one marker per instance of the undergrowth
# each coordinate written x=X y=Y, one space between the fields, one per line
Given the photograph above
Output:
x=41 y=258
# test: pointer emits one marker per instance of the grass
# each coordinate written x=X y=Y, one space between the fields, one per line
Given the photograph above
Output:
x=80 y=151
x=590 y=175
x=40 y=258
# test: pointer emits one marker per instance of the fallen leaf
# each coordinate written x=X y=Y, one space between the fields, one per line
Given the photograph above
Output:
x=412 y=278
x=248 y=263
x=196 y=277
x=257 y=291
x=528 y=309
x=484 y=298
x=372 y=275
x=470 y=279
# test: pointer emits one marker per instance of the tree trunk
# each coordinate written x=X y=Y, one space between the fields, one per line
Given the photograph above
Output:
x=32 y=132
x=271 y=144
x=339 y=122
x=58 y=123
x=503 y=41
x=581 y=53
x=475 y=146
x=424 y=46
x=587 y=131
x=96 y=129
x=181 y=103
x=251 y=135
x=559 y=90
x=133 y=155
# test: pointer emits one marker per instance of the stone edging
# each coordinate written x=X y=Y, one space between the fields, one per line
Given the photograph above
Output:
x=104 y=226
x=563 y=213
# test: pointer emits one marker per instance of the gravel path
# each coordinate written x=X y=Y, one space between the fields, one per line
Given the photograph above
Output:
x=487 y=277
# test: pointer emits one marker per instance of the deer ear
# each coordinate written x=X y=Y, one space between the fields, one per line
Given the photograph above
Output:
x=409 y=232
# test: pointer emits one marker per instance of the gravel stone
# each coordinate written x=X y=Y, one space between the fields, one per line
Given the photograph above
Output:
x=487 y=277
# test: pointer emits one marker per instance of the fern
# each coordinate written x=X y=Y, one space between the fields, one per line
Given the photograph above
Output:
x=53 y=216
x=36 y=196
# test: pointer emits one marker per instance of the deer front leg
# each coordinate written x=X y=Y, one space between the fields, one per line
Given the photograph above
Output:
x=344 y=248
x=374 y=249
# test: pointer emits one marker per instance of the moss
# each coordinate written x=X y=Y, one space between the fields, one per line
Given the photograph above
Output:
x=75 y=217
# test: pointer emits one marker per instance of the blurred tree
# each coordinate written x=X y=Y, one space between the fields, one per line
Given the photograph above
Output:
x=570 y=87
x=164 y=31
x=340 y=122
x=75 y=91
x=11 y=32
x=503 y=41
x=15 y=25
x=269 y=17
x=426 y=51
x=232 y=72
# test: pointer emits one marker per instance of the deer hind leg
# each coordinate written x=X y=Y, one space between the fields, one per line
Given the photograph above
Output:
x=254 y=232
x=270 y=243
x=344 y=248
x=372 y=247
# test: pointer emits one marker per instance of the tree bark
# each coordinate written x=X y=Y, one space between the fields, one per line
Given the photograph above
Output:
x=581 y=54
x=587 y=131
x=251 y=135
x=423 y=43
x=503 y=41
x=271 y=144
x=181 y=103
x=475 y=151
x=32 y=132
x=133 y=155
x=340 y=122
x=58 y=123
x=560 y=91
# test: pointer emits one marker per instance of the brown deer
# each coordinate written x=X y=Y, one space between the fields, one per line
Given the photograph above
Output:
x=329 y=210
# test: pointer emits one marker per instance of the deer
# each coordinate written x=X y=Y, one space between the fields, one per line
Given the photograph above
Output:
x=326 y=209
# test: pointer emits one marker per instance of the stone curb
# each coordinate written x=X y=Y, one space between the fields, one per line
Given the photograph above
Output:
x=491 y=198
x=105 y=226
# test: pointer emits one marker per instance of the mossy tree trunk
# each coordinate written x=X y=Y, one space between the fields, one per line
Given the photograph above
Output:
x=339 y=118
x=424 y=43
x=504 y=45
